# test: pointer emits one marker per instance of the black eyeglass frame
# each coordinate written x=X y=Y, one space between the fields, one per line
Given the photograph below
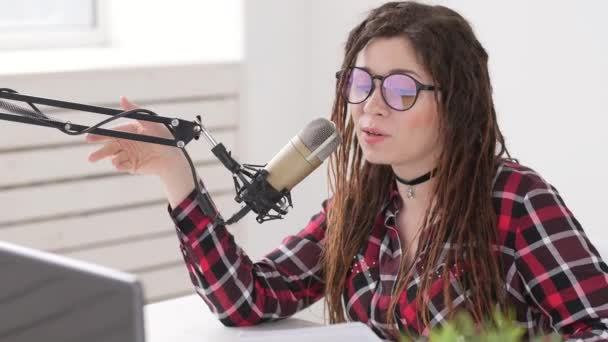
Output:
x=419 y=86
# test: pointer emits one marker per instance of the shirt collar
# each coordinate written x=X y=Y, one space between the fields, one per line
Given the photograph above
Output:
x=391 y=205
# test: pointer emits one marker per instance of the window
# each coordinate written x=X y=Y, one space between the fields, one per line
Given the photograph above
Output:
x=51 y=23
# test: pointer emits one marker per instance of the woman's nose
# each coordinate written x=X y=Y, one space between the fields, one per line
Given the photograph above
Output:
x=375 y=102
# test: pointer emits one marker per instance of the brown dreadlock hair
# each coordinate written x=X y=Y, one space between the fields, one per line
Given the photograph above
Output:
x=473 y=147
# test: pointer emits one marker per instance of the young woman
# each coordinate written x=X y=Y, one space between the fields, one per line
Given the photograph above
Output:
x=429 y=213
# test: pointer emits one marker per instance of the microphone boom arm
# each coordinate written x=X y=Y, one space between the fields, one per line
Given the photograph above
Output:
x=183 y=131
x=249 y=180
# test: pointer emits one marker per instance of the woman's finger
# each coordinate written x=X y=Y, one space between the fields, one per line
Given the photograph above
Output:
x=107 y=150
x=126 y=166
x=121 y=161
x=130 y=127
x=126 y=104
x=120 y=157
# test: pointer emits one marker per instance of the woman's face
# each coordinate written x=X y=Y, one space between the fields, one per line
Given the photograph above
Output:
x=409 y=138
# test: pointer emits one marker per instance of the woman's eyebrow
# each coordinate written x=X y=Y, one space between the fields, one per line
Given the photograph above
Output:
x=406 y=71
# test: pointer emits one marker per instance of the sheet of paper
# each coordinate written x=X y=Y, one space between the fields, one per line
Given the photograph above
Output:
x=352 y=331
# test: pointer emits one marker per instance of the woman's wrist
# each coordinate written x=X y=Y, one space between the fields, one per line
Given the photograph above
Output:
x=177 y=179
x=173 y=167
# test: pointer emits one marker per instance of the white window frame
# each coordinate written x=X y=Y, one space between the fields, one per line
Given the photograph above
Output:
x=61 y=39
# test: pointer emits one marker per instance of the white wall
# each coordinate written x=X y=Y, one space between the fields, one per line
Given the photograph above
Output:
x=197 y=29
x=547 y=60
x=146 y=33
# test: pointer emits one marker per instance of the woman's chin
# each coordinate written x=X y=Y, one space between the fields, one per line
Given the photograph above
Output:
x=376 y=159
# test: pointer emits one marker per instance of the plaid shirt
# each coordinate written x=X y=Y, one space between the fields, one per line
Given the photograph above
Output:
x=554 y=277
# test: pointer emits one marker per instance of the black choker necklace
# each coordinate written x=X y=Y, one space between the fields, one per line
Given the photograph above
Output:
x=410 y=190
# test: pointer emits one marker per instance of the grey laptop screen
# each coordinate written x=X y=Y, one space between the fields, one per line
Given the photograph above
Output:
x=48 y=298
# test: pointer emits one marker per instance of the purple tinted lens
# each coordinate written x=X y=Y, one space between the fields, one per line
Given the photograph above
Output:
x=399 y=91
x=358 y=86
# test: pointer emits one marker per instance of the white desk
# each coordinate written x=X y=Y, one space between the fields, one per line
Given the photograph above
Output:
x=188 y=319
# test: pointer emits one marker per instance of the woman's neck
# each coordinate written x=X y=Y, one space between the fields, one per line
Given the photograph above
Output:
x=423 y=194
x=423 y=191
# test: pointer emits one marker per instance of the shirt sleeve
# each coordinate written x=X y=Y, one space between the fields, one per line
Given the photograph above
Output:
x=562 y=271
x=237 y=290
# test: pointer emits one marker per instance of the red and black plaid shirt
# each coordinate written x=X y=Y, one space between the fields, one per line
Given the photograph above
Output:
x=555 y=278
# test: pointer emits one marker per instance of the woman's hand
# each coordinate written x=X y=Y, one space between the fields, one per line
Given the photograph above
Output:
x=134 y=156
x=169 y=163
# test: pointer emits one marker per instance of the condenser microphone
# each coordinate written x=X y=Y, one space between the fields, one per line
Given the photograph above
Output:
x=267 y=192
x=302 y=154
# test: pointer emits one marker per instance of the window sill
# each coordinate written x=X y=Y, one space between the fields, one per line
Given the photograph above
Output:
x=101 y=58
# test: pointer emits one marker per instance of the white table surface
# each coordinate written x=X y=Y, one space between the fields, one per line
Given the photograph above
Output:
x=188 y=319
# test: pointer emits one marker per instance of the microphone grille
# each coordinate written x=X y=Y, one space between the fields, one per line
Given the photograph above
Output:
x=316 y=133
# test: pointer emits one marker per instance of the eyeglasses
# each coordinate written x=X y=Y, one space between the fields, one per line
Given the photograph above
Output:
x=399 y=90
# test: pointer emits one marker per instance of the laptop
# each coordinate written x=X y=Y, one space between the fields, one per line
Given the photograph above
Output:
x=46 y=297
